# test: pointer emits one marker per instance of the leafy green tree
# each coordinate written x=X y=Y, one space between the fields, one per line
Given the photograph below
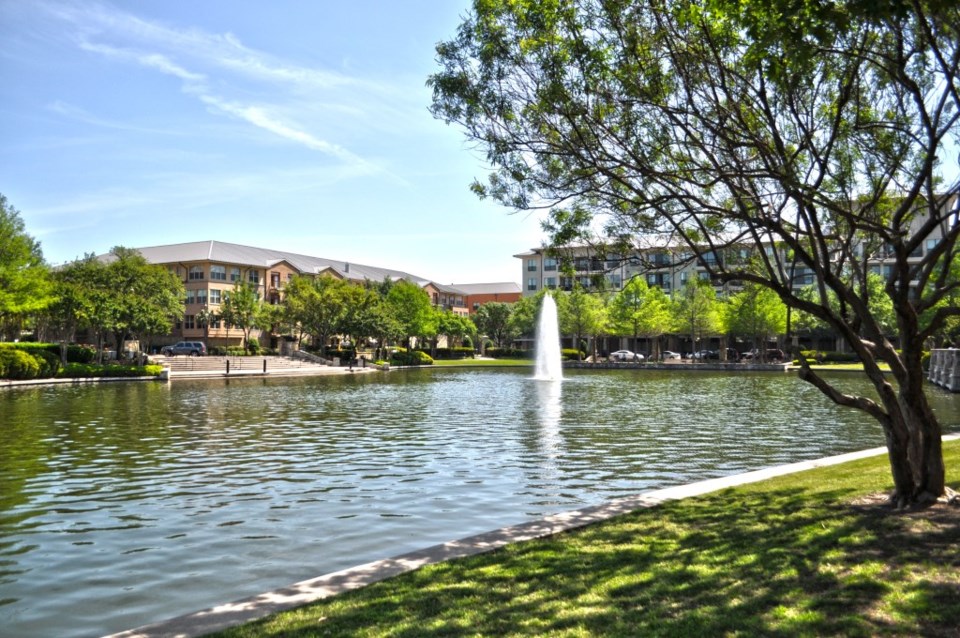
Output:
x=411 y=307
x=493 y=320
x=811 y=126
x=583 y=315
x=626 y=309
x=80 y=299
x=455 y=327
x=756 y=313
x=144 y=298
x=241 y=307
x=25 y=284
x=319 y=304
x=697 y=312
x=657 y=316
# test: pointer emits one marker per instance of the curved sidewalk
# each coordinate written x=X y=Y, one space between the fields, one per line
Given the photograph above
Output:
x=298 y=594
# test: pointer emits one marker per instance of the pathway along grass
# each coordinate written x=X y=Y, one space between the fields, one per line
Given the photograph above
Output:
x=809 y=554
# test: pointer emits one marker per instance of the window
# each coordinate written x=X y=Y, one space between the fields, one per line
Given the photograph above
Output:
x=177 y=324
x=218 y=273
x=196 y=273
x=531 y=265
x=532 y=283
x=551 y=282
x=614 y=280
x=550 y=263
x=275 y=279
x=215 y=295
x=215 y=321
x=253 y=276
x=289 y=277
x=188 y=322
x=191 y=297
x=234 y=274
x=683 y=278
x=932 y=243
x=202 y=296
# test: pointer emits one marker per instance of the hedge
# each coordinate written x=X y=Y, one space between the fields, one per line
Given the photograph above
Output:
x=88 y=370
x=18 y=364
x=75 y=353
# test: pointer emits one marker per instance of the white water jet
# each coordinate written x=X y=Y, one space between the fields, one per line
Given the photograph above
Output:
x=548 y=366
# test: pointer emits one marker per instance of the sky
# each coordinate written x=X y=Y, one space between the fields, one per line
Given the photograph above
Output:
x=300 y=126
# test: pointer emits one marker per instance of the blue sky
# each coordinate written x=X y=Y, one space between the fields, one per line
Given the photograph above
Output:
x=299 y=126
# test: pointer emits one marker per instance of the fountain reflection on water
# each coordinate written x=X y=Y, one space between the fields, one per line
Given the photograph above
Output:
x=548 y=366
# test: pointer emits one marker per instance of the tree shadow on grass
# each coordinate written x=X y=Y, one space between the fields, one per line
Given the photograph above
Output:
x=776 y=563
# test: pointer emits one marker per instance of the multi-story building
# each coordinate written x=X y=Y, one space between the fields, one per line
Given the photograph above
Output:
x=210 y=269
x=475 y=295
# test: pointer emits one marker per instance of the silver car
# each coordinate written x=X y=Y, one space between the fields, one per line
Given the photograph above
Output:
x=192 y=348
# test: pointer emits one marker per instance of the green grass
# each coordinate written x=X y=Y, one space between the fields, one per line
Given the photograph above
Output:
x=482 y=362
x=792 y=556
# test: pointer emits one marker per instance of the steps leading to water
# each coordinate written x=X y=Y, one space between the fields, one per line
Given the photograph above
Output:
x=183 y=363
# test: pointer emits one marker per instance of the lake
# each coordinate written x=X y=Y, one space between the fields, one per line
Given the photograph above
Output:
x=128 y=503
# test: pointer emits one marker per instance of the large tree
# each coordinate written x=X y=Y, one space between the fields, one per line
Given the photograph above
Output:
x=241 y=307
x=25 y=284
x=809 y=127
x=493 y=320
x=757 y=314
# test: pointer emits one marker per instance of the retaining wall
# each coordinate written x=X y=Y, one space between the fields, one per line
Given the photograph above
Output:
x=945 y=369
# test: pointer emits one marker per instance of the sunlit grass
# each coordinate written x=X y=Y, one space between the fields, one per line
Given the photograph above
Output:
x=482 y=362
x=792 y=556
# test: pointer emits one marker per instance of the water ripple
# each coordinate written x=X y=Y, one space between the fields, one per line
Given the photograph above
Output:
x=154 y=500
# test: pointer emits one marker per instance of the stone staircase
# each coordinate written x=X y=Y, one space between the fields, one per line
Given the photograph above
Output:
x=219 y=365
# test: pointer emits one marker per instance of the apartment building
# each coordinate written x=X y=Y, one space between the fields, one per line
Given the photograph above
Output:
x=475 y=295
x=210 y=269
x=670 y=266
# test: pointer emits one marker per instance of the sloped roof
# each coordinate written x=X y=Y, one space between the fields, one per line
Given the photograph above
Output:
x=225 y=253
x=501 y=288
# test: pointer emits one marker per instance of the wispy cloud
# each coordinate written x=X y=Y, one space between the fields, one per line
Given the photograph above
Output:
x=298 y=104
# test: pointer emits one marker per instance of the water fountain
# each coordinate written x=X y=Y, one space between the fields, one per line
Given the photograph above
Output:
x=548 y=365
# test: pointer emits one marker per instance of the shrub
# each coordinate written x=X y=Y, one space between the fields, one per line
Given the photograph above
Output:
x=18 y=364
x=571 y=354
x=90 y=370
x=454 y=353
x=412 y=358
x=253 y=346
x=49 y=363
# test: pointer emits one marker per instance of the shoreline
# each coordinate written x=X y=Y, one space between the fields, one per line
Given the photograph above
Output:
x=252 y=608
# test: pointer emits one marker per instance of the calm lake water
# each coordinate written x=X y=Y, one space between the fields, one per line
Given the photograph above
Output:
x=123 y=504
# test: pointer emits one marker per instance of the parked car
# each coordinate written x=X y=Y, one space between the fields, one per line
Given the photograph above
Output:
x=192 y=348
x=706 y=354
x=732 y=355
x=625 y=355
x=772 y=354
x=667 y=354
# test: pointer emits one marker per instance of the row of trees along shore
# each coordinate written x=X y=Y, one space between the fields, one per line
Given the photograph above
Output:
x=821 y=126
x=124 y=297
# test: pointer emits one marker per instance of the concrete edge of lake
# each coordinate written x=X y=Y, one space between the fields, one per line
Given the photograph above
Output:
x=307 y=591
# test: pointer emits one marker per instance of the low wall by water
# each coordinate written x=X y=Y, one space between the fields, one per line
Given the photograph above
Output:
x=945 y=369
x=708 y=365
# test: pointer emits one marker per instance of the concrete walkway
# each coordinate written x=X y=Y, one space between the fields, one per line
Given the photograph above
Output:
x=298 y=594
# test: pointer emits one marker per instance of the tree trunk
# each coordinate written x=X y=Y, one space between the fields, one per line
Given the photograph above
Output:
x=914 y=445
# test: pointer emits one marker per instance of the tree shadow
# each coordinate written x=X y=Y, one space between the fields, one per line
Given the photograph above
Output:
x=776 y=563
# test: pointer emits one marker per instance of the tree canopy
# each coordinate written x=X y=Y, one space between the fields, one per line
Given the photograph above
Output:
x=815 y=128
x=25 y=284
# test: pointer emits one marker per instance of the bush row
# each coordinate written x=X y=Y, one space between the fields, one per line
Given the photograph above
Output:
x=75 y=353
x=461 y=352
x=20 y=364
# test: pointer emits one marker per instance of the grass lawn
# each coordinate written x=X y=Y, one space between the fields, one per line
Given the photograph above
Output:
x=482 y=362
x=810 y=554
